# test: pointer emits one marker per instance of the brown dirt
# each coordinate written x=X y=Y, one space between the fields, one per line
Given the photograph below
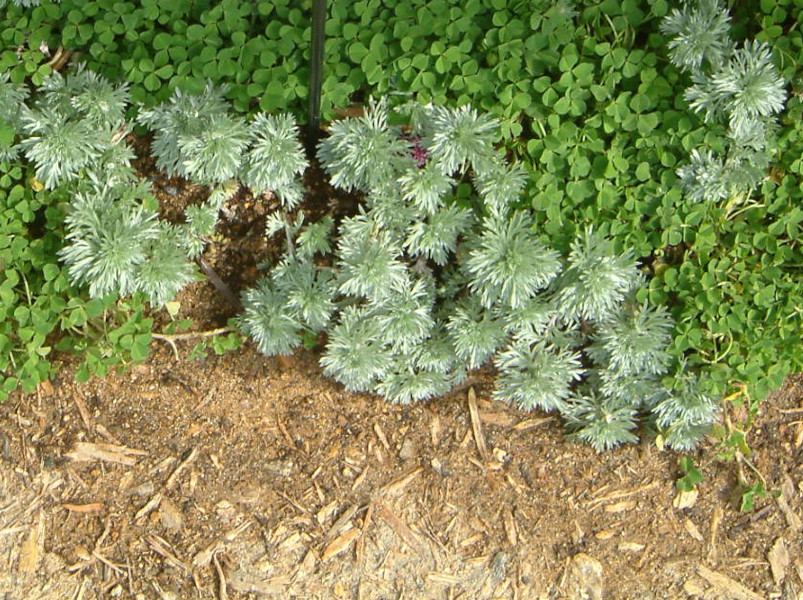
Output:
x=285 y=486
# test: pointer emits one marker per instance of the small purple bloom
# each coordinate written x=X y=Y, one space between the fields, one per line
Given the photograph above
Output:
x=419 y=153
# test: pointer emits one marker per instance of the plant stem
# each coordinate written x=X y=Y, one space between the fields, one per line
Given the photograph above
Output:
x=172 y=338
x=219 y=284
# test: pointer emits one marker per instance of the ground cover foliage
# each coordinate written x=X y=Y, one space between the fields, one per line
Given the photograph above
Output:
x=588 y=100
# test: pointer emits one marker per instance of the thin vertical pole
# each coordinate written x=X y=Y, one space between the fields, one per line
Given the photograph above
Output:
x=316 y=70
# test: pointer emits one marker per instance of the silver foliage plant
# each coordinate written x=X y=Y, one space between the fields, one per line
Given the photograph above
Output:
x=73 y=133
x=424 y=284
x=738 y=86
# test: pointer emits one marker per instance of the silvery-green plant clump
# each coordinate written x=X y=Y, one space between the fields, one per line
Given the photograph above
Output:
x=424 y=284
x=74 y=130
x=737 y=85
x=23 y=3
x=197 y=137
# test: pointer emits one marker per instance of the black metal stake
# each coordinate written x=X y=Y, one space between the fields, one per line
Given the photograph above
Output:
x=316 y=72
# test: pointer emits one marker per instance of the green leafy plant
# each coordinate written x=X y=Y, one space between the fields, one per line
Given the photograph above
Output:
x=41 y=312
x=566 y=336
x=691 y=475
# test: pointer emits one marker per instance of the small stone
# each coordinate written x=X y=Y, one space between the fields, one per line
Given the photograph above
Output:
x=584 y=578
x=143 y=489
x=170 y=516
x=279 y=467
x=685 y=499
x=407 y=450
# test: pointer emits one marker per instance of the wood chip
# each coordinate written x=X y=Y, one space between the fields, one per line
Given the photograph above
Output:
x=186 y=460
x=366 y=523
x=476 y=425
x=163 y=549
x=733 y=589
x=149 y=507
x=340 y=544
x=787 y=493
x=401 y=528
x=443 y=578
x=619 y=495
x=692 y=530
x=341 y=522
x=105 y=433
x=630 y=547
x=327 y=511
x=500 y=419
x=82 y=410
x=170 y=516
x=92 y=507
x=245 y=582
x=605 y=534
x=778 y=557
x=435 y=430
x=716 y=519
x=531 y=423
x=221 y=578
x=29 y=553
x=477 y=537
x=394 y=488
x=620 y=506
x=85 y=451
x=511 y=531
x=381 y=435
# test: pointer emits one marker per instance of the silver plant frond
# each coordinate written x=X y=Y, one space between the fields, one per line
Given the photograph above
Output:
x=750 y=86
x=536 y=376
x=354 y=355
x=474 y=333
x=406 y=384
x=276 y=156
x=501 y=186
x=365 y=153
x=426 y=187
x=214 y=154
x=309 y=291
x=462 y=138
x=635 y=340
x=508 y=264
x=108 y=238
x=436 y=236
x=266 y=321
x=701 y=33
x=166 y=269
x=602 y=422
x=597 y=279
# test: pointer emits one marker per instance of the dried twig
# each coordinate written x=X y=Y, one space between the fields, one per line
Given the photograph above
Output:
x=476 y=425
x=156 y=499
x=222 y=593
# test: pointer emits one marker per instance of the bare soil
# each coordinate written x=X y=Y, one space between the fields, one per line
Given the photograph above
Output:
x=246 y=477
x=243 y=476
